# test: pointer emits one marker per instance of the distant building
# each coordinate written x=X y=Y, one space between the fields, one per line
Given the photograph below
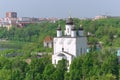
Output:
x=48 y=42
x=24 y=19
x=9 y=21
x=101 y=17
x=11 y=14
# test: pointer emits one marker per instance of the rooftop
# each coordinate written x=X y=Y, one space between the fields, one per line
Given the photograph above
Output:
x=48 y=39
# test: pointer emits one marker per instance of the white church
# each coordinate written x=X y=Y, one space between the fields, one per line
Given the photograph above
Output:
x=70 y=45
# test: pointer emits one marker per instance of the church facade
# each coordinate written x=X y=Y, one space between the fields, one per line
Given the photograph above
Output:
x=70 y=45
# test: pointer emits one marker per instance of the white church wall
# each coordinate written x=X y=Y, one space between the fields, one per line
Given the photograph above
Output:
x=81 y=45
x=57 y=45
x=70 y=46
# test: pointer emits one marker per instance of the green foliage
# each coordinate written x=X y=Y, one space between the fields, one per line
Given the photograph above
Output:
x=30 y=33
x=5 y=74
x=61 y=68
x=95 y=65
x=49 y=69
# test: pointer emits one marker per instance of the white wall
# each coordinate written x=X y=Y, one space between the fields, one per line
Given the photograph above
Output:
x=81 y=45
x=69 y=45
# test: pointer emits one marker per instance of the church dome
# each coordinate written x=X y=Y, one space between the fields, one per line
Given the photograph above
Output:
x=59 y=27
x=69 y=21
x=73 y=28
x=80 y=28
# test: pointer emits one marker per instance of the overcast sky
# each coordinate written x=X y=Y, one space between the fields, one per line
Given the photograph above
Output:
x=60 y=8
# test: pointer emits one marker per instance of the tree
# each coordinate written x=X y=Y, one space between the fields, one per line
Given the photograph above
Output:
x=61 y=68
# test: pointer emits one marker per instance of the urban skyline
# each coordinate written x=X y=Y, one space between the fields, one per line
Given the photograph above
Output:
x=60 y=9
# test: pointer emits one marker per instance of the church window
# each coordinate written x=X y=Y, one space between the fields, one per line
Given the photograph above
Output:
x=62 y=49
x=81 y=50
x=68 y=30
x=67 y=63
x=47 y=44
x=55 y=61
x=84 y=50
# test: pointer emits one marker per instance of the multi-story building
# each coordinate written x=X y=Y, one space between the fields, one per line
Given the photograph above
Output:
x=11 y=14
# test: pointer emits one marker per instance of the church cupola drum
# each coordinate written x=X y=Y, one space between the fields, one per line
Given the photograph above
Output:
x=73 y=32
x=68 y=26
x=80 y=31
x=69 y=21
x=59 y=31
x=69 y=45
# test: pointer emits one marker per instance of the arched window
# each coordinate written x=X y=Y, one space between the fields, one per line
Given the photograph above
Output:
x=67 y=30
x=55 y=61
x=81 y=50
x=62 y=49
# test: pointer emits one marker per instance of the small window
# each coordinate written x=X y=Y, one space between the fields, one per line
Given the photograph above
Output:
x=81 y=50
x=68 y=30
x=47 y=44
x=62 y=49
x=55 y=61
x=67 y=63
x=84 y=50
